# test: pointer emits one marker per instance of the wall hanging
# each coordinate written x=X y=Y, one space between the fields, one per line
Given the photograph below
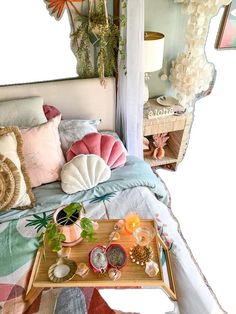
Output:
x=191 y=73
x=226 y=38
x=94 y=35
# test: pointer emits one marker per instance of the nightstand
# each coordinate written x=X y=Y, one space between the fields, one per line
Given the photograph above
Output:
x=178 y=129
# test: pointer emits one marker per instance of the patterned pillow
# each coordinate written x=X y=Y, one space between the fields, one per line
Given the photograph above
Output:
x=15 y=190
x=73 y=130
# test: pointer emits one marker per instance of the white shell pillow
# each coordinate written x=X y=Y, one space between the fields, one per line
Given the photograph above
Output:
x=84 y=172
x=24 y=112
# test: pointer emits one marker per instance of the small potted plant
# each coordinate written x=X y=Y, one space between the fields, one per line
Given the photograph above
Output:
x=69 y=227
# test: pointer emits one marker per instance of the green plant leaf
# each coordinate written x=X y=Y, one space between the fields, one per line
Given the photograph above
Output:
x=72 y=208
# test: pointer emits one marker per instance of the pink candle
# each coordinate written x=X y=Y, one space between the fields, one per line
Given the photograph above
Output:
x=132 y=222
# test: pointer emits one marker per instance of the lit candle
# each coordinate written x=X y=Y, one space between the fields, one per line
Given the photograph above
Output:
x=132 y=222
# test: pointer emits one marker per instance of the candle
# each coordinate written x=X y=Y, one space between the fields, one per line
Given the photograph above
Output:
x=132 y=222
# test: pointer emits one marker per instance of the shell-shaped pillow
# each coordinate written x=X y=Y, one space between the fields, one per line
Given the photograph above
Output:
x=83 y=172
x=103 y=145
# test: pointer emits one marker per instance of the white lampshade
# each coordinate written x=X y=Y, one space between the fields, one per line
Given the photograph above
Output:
x=153 y=51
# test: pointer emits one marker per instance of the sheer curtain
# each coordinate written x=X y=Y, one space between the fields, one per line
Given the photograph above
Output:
x=129 y=118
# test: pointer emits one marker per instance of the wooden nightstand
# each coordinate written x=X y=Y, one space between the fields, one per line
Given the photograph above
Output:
x=178 y=128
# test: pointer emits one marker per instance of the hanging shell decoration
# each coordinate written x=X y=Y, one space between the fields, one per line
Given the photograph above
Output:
x=9 y=183
x=191 y=73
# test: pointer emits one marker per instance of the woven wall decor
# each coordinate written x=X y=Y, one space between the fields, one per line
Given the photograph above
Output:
x=9 y=183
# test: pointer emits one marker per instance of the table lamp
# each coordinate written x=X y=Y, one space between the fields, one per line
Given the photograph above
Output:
x=153 y=56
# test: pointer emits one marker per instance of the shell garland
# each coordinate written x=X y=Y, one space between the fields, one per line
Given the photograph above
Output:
x=191 y=73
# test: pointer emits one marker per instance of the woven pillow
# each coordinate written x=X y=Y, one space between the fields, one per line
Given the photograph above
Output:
x=15 y=190
x=102 y=145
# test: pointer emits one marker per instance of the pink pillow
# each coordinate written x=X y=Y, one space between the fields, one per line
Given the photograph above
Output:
x=42 y=152
x=50 y=111
x=103 y=145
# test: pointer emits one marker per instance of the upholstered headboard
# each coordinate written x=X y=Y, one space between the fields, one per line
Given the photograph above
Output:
x=75 y=98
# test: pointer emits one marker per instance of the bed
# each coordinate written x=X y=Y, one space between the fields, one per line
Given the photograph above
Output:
x=136 y=188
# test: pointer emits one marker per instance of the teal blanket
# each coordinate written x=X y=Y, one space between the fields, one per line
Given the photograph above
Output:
x=134 y=173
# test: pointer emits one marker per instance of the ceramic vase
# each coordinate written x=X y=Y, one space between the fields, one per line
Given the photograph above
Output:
x=71 y=230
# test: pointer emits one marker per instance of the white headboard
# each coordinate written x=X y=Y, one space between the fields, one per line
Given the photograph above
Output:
x=75 y=98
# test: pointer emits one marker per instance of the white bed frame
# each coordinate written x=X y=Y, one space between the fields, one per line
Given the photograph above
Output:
x=75 y=98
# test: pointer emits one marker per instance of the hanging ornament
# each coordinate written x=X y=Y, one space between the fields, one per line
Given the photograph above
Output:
x=191 y=73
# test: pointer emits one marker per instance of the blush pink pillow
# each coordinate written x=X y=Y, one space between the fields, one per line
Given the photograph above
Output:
x=102 y=145
x=42 y=152
x=50 y=111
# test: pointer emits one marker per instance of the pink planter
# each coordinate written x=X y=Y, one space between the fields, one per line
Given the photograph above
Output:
x=72 y=232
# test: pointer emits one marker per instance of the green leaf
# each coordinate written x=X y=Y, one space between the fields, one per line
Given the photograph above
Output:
x=72 y=208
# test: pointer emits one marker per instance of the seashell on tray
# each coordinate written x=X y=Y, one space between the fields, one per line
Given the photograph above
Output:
x=63 y=270
x=151 y=269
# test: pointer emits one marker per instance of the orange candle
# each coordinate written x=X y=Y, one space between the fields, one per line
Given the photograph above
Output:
x=132 y=222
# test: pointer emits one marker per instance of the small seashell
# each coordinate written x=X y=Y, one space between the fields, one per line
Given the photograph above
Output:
x=160 y=153
x=114 y=236
x=114 y=274
x=82 y=270
x=95 y=225
x=120 y=225
x=151 y=269
x=64 y=252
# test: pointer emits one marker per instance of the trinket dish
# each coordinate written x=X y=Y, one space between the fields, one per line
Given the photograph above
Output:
x=63 y=270
x=116 y=255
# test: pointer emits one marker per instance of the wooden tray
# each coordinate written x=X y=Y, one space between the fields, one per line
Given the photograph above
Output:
x=133 y=275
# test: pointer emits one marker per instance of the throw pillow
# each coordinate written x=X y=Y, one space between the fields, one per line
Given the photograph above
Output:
x=73 y=130
x=50 y=111
x=42 y=151
x=102 y=145
x=15 y=190
x=25 y=112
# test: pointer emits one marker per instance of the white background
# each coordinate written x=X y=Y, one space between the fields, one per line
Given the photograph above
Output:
x=34 y=47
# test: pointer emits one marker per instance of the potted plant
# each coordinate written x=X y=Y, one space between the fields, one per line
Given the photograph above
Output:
x=94 y=35
x=69 y=227
x=98 y=29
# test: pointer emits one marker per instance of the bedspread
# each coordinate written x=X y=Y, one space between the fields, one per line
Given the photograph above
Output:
x=19 y=244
